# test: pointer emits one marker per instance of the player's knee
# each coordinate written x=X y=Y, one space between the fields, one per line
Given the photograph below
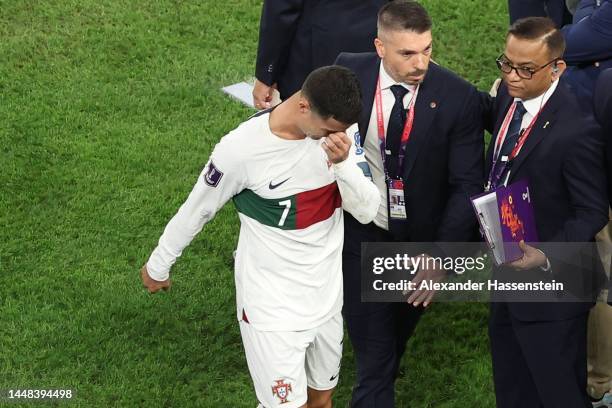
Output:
x=319 y=399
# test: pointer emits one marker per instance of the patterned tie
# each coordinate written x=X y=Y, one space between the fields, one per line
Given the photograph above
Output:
x=514 y=130
x=395 y=128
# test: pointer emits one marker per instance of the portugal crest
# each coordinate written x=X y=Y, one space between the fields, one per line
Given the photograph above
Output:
x=281 y=390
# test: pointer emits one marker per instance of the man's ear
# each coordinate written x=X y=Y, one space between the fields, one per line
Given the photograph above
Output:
x=558 y=68
x=303 y=104
x=380 y=47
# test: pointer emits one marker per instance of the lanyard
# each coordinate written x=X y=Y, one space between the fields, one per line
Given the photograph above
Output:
x=501 y=136
x=381 y=128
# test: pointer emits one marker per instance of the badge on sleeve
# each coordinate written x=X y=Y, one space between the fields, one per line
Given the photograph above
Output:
x=360 y=158
x=358 y=149
x=213 y=175
x=397 y=203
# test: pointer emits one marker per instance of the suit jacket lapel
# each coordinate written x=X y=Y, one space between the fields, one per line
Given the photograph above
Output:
x=424 y=112
x=368 y=80
x=504 y=103
x=541 y=128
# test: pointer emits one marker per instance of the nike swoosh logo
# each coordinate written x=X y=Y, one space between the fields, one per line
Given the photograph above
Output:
x=333 y=377
x=273 y=186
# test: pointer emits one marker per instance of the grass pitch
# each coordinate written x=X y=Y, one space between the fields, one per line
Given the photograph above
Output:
x=108 y=112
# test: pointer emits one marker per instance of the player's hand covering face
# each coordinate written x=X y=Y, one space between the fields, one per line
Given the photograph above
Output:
x=337 y=146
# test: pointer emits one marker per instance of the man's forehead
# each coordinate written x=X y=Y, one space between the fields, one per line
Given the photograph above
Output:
x=408 y=39
x=521 y=51
x=519 y=59
x=335 y=125
x=329 y=123
x=411 y=48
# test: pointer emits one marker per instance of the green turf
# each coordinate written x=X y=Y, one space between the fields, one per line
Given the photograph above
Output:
x=108 y=111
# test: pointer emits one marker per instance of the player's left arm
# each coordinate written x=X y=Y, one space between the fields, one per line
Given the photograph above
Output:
x=360 y=196
x=223 y=177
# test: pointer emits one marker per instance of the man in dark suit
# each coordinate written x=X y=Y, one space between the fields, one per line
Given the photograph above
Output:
x=588 y=54
x=588 y=49
x=539 y=348
x=556 y=10
x=602 y=102
x=600 y=319
x=298 y=36
x=423 y=141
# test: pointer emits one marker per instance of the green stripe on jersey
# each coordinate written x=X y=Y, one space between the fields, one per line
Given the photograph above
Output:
x=278 y=212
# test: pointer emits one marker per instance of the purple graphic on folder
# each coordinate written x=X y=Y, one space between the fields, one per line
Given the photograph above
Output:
x=516 y=218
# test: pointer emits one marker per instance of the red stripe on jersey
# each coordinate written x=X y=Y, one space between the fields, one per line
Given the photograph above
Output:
x=316 y=205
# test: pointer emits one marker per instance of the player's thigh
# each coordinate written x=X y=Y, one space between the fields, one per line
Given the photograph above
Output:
x=324 y=354
x=276 y=364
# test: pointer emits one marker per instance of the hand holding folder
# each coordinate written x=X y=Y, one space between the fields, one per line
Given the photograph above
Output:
x=506 y=218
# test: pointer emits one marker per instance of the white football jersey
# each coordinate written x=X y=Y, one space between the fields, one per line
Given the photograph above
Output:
x=288 y=264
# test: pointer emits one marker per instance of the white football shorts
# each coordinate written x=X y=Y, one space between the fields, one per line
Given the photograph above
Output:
x=284 y=364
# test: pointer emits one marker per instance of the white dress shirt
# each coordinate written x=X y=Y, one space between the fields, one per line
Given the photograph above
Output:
x=372 y=149
x=532 y=108
x=534 y=105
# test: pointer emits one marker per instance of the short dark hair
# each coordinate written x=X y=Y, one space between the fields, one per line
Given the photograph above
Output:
x=404 y=16
x=333 y=91
x=540 y=28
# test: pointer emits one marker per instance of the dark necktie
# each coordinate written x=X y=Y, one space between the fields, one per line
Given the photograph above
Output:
x=514 y=130
x=395 y=128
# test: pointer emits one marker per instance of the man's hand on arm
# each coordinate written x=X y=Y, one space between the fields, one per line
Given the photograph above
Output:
x=431 y=275
x=151 y=284
x=337 y=146
x=262 y=95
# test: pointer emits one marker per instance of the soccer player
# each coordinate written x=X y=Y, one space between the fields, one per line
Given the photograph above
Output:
x=290 y=171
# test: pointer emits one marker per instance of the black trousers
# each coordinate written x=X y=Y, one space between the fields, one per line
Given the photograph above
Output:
x=538 y=364
x=378 y=331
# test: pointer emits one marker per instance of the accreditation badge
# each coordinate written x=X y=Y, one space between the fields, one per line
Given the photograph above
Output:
x=396 y=201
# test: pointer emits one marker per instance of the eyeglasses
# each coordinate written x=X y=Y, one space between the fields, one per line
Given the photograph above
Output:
x=524 y=72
